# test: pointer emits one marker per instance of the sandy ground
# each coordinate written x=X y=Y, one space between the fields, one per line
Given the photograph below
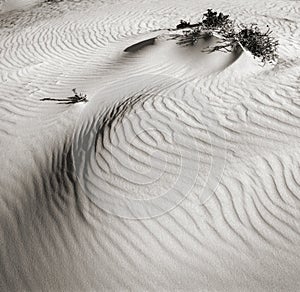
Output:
x=181 y=172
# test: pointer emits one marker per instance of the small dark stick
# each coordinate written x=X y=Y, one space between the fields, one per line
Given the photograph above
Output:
x=70 y=99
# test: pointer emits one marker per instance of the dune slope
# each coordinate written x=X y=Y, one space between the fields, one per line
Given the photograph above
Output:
x=180 y=172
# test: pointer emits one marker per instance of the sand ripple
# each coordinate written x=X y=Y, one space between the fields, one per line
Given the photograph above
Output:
x=208 y=142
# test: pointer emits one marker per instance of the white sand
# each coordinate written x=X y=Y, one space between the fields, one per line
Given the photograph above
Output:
x=204 y=146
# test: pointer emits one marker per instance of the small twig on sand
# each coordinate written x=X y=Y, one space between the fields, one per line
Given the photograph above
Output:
x=70 y=99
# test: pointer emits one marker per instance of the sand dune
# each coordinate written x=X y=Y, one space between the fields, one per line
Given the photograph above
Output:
x=181 y=172
x=8 y=6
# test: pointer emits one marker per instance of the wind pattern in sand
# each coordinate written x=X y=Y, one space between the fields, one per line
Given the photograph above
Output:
x=182 y=171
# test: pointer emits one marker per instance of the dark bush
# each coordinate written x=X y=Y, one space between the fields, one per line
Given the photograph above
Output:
x=260 y=44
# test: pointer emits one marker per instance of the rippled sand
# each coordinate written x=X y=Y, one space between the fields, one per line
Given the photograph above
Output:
x=181 y=172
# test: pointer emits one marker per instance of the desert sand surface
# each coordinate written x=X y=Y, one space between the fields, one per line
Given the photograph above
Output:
x=181 y=170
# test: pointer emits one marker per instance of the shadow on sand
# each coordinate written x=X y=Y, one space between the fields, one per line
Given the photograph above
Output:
x=138 y=46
